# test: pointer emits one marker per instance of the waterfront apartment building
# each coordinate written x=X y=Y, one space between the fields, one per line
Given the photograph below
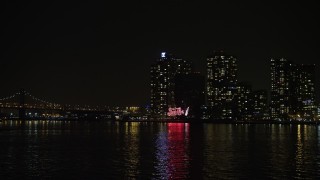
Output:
x=163 y=74
x=292 y=90
x=244 y=102
x=221 y=85
x=281 y=88
x=251 y=105
x=305 y=91
x=260 y=105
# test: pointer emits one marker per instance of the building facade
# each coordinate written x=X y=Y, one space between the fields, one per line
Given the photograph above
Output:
x=292 y=90
x=260 y=105
x=163 y=74
x=281 y=89
x=244 y=102
x=304 y=82
x=221 y=85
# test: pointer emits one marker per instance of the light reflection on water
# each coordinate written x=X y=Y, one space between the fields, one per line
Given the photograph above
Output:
x=94 y=150
x=172 y=151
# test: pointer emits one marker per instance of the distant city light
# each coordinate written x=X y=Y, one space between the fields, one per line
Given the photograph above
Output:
x=163 y=54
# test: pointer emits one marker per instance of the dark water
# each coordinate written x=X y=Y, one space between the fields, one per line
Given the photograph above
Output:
x=106 y=150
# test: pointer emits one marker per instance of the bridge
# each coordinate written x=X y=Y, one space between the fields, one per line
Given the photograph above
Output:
x=23 y=105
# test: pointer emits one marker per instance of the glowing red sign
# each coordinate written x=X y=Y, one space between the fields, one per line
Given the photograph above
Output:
x=178 y=111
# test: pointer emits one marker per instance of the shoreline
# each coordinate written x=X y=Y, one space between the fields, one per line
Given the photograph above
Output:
x=223 y=122
x=191 y=121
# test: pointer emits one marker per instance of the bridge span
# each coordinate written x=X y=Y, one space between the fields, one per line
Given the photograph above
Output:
x=23 y=105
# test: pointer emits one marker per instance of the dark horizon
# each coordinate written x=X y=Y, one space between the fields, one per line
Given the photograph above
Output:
x=101 y=53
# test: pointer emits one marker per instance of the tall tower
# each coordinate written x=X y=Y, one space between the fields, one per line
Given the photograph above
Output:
x=282 y=88
x=292 y=90
x=163 y=73
x=221 y=84
x=305 y=90
x=244 y=101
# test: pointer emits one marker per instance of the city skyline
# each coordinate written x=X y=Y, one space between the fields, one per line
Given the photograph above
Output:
x=176 y=89
x=162 y=89
x=194 y=69
x=223 y=97
x=91 y=53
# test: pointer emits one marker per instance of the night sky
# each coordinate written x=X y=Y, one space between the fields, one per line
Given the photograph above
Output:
x=100 y=53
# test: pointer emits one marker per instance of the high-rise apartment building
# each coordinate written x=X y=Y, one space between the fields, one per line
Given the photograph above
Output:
x=304 y=82
x=244 y=101
x=292 y=90
x=281 y=88
x=221 y=84
x=251 y=105
x=163 y=74
x=259 y=100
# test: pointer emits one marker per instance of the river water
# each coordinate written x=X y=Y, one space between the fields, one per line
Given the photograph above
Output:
x=124 y=150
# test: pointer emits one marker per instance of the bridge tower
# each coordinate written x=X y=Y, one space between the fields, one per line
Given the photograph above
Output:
x=22 y=109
